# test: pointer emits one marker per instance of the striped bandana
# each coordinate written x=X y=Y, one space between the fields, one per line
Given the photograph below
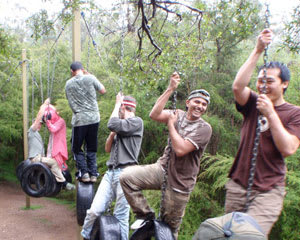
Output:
x=129 y=103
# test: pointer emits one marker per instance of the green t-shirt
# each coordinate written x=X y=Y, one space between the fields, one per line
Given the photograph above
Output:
x=81 y=92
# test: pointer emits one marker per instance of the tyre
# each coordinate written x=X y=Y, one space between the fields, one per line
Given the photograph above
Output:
x=95 y=234
x=84 y=199
x=20 y=168
x=57 y=186
x=67 y=175
x=37 y=180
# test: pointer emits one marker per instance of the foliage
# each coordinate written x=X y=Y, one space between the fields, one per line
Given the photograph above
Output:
x=292 y=30
x=209 y=60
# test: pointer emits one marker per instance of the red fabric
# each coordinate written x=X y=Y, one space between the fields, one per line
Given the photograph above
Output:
x=57 y=127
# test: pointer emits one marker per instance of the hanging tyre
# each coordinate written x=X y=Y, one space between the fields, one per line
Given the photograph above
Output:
x=67 y=175
x=56 y=188
x=20 y=168
x=95 y=234
x=85 y=195
x=37 y=180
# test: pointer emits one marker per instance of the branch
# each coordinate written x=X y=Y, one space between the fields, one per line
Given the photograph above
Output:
x=155 y=4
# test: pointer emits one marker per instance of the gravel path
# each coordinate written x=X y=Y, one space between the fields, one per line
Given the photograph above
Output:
x=50 y=222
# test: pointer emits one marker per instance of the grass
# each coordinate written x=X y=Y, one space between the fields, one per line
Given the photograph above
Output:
x=32 y=207
x=8 y=172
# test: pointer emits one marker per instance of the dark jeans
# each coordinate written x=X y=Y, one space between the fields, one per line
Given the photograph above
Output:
x=86 y=160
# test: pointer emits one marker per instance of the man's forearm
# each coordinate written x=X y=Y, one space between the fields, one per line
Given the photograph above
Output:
x=161 y=103
x=115 y=112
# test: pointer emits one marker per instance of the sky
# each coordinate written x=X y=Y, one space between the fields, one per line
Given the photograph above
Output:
x=16 y=11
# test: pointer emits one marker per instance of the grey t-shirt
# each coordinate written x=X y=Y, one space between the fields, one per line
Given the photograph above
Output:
x=35 y=143
x=129 y=140
x=81 y=92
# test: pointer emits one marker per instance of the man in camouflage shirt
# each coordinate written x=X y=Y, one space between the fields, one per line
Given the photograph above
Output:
x=189 y=135
x=81 y=92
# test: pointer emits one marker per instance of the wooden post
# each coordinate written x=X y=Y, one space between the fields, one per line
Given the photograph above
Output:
x=76 y=39
x=76 y=50
x=25 y=113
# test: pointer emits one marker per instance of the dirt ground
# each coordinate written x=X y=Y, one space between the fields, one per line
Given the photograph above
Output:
x=50 y=222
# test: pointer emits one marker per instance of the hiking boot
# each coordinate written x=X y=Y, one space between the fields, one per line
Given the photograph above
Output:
x=85 y=178
x=93 y=179
x=70 y=186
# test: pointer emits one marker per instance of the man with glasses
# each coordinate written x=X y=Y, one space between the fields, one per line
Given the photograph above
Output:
x=189 y=135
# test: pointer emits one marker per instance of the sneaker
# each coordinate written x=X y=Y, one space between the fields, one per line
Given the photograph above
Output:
x=70 y=186
x=93 y=179
x=138 y=224
x=85 y=178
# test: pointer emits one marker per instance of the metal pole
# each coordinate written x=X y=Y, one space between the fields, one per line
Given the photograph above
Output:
x=25 y=113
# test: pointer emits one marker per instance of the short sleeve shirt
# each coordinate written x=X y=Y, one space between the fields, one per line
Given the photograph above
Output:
x=182 y=171
x=81 y=92
x=270 y=166
x=127 y=143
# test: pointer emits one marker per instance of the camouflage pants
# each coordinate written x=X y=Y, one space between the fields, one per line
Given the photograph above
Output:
x=134 y=179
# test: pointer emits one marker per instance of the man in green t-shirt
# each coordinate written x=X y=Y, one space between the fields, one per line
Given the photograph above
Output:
x=81 y=92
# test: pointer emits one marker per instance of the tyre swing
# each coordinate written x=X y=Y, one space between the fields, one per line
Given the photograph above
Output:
x=157 y=228
x=36 y=178
x=85 y=191
x=107 y=226
x=20 y=168
x=239 y=225
x=84 y=199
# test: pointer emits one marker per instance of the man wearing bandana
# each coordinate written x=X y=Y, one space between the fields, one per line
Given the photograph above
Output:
x=123 y=143
x=189 y=135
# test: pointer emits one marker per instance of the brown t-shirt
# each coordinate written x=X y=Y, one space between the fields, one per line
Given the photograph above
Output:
x=182 y=171
x=270 y=167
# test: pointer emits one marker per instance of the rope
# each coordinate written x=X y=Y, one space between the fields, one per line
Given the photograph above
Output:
x=11 y=75
x=91 y=36
x=96 y=48
x=122 y=49
x=53 y=74
x=258 y=126
x=41 y=83
x=55 y=42
x=32 y=94
x=174 y=101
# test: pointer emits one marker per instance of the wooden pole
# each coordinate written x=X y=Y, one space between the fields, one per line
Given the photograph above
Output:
x=25 y=113
x=76 y=39
x=76 y=50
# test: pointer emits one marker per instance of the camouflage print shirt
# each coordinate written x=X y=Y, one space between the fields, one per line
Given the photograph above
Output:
x=81 y=92
x=182 y=171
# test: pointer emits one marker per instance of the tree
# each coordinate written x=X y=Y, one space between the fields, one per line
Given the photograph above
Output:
x=292 y=30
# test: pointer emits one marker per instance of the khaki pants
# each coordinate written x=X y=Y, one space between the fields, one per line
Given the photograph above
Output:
x=134 y=179
x=53 y=165
x=265 y=207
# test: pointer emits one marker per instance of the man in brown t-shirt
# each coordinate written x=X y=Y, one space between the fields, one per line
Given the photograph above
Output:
x=279 y=138
x=189 y=135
